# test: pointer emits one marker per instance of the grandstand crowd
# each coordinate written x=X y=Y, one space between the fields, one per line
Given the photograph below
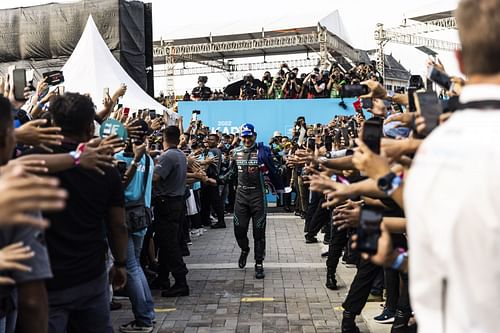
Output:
x=287 y=84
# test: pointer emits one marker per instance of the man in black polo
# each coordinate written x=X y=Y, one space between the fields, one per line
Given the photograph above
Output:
x=169 y=209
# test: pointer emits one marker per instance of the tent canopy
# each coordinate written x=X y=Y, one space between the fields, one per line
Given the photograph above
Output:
x=92 y=67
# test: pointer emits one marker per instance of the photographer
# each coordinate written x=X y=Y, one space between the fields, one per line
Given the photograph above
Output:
x=249 y=90
x=275 y=90
x=291 y=88
x=201 y=92
x=267 y=81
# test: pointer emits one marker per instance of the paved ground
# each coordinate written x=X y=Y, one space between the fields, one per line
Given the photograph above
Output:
x=224 y=298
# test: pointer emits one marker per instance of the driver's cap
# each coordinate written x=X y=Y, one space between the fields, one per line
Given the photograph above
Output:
x=247 y=130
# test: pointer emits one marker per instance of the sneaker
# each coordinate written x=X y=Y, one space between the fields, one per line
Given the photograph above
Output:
x=386 y=317
x=133 y=327
x=259 y=271
x=195 y=233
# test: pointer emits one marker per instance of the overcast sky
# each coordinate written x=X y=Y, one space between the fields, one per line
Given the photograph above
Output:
x=173 y=19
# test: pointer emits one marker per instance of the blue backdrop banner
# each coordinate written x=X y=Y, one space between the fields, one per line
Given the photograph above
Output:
x=266 y=115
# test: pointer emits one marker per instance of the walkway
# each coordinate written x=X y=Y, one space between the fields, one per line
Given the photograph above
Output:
x=224 y=298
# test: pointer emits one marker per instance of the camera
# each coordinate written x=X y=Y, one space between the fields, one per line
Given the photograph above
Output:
x=291 y=76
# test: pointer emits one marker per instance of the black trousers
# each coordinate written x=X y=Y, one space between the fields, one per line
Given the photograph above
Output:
x=311 y=209
x=169 y=213
x=337 y=243
x=250 y=204
x=210 y=199
x=361 y=286
x=321 y=217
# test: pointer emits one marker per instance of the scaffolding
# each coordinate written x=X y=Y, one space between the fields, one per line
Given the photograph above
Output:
x=210 y=51
x=410 y=35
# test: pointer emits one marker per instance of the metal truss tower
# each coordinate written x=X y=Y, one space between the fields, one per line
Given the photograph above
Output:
x=409 y=35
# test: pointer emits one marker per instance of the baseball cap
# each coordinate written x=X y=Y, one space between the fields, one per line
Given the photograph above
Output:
x=247 y=130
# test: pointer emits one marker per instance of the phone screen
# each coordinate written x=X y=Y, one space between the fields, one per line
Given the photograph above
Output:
x=372 y=133
x=19 y=80
x=439 y=77
x=105 y=92
x=152 y=114
x=126 y=111
x=369 y=229
x=430 y=108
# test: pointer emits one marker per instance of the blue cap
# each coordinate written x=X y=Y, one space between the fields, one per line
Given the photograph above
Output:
x=247 y=130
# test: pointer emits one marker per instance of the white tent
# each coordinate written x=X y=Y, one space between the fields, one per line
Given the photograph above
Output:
x=92 y=67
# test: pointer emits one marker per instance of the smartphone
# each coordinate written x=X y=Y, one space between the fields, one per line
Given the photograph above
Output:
x=19 y=81
x=367 y=103
x=354 y=90
x=53 y=78
x=372 y=133
x=439 y=77
x=119 y=106
x=126 y=111
x=105 y=92
x=152 y=114
x=122 y=168
x=194 y=115
x=368 y=230
x=430 y=108
x=60 y=90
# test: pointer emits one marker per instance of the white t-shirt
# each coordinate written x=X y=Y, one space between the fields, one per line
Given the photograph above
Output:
x=452 y=201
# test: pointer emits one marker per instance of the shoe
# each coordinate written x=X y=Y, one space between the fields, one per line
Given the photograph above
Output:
x=113 y=306
x=331 y=282
x=218 y=226
x=189 y=243
x=324 y=254
x=375 y=298
x=287 y=209
x=348 y=324
x=386 y=317
x=303 y=216
x=297 y=213
x=133 y=327
x=400 y=324
x=259 y=271
x=157 y=284
x=176 y=291
x=311 y=240
x=326 y=242
x=242 y=262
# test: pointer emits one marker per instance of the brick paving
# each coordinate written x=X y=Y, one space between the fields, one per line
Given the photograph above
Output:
x=224 y=298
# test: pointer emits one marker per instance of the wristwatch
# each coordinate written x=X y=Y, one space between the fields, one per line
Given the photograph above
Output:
x=76 y=154
x=389 y=183
x=76 y=157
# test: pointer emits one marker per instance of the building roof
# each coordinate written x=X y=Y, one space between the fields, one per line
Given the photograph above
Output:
x=393 y=70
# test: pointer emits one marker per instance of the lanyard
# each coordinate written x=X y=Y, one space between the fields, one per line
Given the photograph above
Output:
x=481 y=105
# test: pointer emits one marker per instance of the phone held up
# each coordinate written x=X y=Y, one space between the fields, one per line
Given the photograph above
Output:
x=372 y=133
x=368 y=230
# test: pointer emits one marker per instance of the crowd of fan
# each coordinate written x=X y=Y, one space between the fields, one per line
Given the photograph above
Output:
x=287 y=84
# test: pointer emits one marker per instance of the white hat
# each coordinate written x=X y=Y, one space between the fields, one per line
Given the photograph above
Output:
x=277 y=133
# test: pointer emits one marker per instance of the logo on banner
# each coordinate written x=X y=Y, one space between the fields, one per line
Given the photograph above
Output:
x=226 y=127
